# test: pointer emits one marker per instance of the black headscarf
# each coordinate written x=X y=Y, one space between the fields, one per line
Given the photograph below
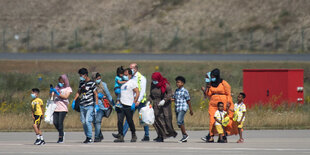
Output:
x=216 y=73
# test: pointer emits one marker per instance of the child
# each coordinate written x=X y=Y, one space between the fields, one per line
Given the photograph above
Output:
x=119 y=81
x=37 y=115
x=182 y=103
x=239 y=115
x=219 y=117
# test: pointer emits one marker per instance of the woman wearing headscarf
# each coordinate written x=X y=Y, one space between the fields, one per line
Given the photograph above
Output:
x=103 y=94
x=218 y=90
x=160 y=96
x=62 y=92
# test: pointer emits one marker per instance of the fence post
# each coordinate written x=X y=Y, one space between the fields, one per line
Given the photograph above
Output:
x=52 y=40
x=150 y=42
x=302 y=39
x=3 y=39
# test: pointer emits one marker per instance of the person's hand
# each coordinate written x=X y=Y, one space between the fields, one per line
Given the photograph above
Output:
x=97 y=107
x=100 y=95
x=191 y=112
x=161 y=103
x=203 y=89
x=54 y=90
x=73 y=104
x=133 y=107
x=32 y=117
x=137 y=104
x=227 y=106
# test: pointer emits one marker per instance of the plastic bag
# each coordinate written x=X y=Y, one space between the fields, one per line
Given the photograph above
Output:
x=146 y=115
x=49 y=111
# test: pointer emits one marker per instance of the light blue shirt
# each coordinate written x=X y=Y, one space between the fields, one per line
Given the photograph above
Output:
x=117 y=78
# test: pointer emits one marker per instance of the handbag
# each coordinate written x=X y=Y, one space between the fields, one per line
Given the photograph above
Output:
x=108 y=107
x=77 y=104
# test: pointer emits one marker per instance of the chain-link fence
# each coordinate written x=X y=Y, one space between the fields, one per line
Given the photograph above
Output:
x=172 y=40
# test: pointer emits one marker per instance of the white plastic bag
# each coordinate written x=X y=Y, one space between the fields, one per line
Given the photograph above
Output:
x=49 y=111
x=146 y=115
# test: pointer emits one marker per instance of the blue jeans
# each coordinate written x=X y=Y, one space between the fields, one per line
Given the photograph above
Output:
x=97 y=122
x=180 y=117
x=86 y=116
x=146 y=128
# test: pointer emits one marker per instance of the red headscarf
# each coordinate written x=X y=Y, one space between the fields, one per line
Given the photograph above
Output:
x=161 y=81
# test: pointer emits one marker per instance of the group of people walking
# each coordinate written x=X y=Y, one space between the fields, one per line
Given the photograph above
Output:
x=94 y=101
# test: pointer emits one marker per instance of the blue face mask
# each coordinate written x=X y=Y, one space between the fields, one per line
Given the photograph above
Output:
x=98 y=81
x=125 y=78
x=155 y=82
x=81 y=78
x=60 y=84
x=207 y=80
x=213 y=79
x=33 y=96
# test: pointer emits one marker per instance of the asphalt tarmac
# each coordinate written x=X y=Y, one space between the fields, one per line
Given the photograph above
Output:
x=256 y=142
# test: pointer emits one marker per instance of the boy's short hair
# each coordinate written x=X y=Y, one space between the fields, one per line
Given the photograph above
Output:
x=218 y=104
x=243 y=95
x=36 y=90
x=129 y=71
x=180 y=78
x=119 y=70
x=83 y=71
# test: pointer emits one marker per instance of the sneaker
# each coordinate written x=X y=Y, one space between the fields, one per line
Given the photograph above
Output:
x=204 y=138
x=133 y=138
x=115 y=135
x=37 y=142
x=42 y=142
x=119 y=139
x=155 y=139
x=160 y=139
x=88 y=140
x=145 y=139
x=184 y=139
x=60 y=140
x=97 y=140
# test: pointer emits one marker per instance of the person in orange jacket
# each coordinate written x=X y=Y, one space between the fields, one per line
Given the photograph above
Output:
x=218 y=90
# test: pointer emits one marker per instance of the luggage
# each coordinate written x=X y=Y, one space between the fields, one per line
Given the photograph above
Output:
x=146 y=115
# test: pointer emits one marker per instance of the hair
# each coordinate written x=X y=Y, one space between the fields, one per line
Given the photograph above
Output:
x=36 y=90
x=129 y=71
x=97 y=75
x=218 y=104
x=119 y=70
x=180 y=78
x=83 y=71
x=243 y=95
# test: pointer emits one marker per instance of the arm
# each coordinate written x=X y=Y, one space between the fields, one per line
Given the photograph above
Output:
x=121 y=82
x=65 y=96
x=218 y=121
x=107 y=92
x=143 y=88
x=96 y=96
x=243 y=114
x=190 y=107
x=76 y=95
x=136 y=91
x=168 y=94
x=42 y=110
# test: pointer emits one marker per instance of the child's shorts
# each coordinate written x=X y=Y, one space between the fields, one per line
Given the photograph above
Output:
x=241 y=125
x=180 y=117
x=37 y=119
x=219 y=129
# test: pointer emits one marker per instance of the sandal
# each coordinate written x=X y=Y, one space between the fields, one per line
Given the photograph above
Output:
x=240 y=141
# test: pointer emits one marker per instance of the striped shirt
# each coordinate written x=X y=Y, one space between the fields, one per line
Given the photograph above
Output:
x=86 y=90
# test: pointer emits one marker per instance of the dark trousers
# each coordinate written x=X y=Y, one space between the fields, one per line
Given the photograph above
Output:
x=121 y=114
x=58 y=120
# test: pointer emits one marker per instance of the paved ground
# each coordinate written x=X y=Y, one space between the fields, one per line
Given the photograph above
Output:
x=256 y=142
x=174 y=57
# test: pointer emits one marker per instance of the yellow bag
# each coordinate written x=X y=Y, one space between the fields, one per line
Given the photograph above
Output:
x=225 y=121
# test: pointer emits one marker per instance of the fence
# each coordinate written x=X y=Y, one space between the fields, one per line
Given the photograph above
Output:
x=172 y=40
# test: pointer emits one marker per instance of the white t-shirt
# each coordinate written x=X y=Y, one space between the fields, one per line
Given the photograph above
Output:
x=127 y=93
x=239 y=109
x=220 y=116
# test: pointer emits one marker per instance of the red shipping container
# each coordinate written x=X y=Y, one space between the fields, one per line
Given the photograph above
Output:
x=273 y=86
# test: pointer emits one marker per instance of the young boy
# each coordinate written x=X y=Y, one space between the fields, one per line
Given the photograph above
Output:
x=182 y=103
x=37 y=115
x=219 y=117
x=239 y=111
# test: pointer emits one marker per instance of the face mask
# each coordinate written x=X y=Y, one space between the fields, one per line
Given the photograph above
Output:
x=207 y=80
x=98 y=81
x=213 y=79
x=33 y=96
x=81 y=78
x=60 y=84
x=155 y=82
x=125 y=78
x=133 y=71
